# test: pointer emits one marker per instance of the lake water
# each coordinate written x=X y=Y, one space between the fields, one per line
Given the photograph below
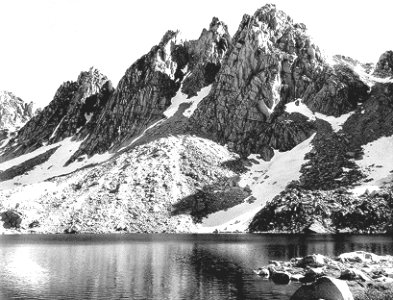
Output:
x=142 y=266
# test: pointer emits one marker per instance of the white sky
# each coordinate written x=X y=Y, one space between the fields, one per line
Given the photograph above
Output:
x=47 y=42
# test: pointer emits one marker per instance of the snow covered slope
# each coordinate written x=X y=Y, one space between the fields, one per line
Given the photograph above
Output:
x=54 y=166
x=266 y=180
x=377 y=164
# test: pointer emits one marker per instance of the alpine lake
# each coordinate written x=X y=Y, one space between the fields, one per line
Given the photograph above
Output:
x=160 y=266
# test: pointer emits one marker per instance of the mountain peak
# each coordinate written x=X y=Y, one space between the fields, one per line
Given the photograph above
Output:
x=274 y=18
x=218 y=26
x=90 y=82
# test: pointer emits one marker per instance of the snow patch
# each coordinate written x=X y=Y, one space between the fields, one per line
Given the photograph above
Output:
x=57 y=127
x=88 y=117
x=298 y=106
x=141 y=135
x=196 y=100
x=4 y=142
x=181 y=98
x=377 y=163
x=369 y=79
x=185 y=69
x=54 y=166
x=220 y=30
x=266 y=180
x=336 y=123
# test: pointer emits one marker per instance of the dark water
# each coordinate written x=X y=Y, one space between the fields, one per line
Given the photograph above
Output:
x=158 y=266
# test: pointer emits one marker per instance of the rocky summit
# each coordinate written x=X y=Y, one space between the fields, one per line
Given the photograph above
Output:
x=259 y=131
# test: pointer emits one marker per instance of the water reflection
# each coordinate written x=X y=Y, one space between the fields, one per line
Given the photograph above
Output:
x=158 y=267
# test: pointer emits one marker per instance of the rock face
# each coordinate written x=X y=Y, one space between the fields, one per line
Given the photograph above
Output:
x=272 y=61
x=146 y=90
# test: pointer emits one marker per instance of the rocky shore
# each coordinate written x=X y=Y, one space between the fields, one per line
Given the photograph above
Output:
x=355 y=275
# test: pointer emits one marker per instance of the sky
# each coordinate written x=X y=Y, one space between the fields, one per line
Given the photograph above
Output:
x=47 y=42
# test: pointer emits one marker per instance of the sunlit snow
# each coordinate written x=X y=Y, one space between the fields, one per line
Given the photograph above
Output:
x=266 y=180
x=181 y=98
x=377 y=163
x=54 y=166
x=299 y=107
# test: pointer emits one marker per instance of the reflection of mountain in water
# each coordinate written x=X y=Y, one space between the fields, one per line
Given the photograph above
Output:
x=213 y=267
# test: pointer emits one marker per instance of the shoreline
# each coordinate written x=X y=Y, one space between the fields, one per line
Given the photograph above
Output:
x=350 y=275
x=4 y=231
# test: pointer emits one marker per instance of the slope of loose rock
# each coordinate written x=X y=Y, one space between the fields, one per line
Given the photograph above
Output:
x=156 y=187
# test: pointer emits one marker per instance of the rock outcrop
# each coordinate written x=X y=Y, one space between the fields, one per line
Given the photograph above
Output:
x=296 y=210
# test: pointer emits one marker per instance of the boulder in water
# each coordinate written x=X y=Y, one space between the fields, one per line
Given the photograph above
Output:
x=279 y=277
x=327 y=288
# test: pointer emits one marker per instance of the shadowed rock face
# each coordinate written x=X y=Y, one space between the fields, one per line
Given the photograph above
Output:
x=270 y=62
x=148 y=86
